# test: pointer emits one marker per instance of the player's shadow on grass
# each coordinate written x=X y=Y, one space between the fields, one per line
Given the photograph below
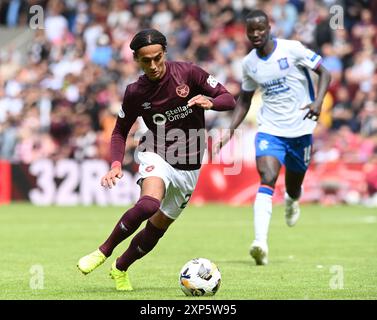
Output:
x=104 y=290
x=248 y=262
x=175 y=292
x=242 y=262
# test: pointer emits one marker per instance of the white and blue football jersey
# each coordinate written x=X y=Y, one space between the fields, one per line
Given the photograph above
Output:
x=286 y=86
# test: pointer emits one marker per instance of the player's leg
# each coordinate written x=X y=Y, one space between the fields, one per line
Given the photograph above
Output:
x=176 y=198
x=293 y=182
x=152 y=192
x=297 y=161
x=270 y=153
x=141 y=244
x=153 y=172
x=268 y=168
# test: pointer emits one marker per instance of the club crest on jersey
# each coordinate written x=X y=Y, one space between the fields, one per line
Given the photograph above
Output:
x=283 y=63
x=263 y=144
x=149 y=168
x=183 y=90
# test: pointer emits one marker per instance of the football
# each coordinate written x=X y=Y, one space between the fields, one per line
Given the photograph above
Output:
x=199 y=277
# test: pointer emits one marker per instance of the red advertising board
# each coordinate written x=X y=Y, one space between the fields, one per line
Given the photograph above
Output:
x=69 y=182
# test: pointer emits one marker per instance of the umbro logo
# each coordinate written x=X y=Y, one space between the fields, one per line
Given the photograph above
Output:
x=146 y=105
x=123 y=227
x=141 y=251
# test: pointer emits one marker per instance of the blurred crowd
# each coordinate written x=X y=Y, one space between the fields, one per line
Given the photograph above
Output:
x=62 y=100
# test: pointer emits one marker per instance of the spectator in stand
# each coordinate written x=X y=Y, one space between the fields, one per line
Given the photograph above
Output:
x=103 y=53
x=56 y=25
x=59 y=70
x=342 y=111
x=284 y=14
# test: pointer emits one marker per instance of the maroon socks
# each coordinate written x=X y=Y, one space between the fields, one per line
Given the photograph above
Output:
x=130 y=221
x=140 y=245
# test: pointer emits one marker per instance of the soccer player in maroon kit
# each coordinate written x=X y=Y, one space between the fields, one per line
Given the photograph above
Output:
x=171 y=97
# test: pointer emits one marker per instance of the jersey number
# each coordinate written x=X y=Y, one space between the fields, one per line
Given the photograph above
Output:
x=187 y=199
x=307 y=154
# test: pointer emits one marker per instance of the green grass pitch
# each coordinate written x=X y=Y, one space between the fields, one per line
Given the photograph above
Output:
x=330 y=254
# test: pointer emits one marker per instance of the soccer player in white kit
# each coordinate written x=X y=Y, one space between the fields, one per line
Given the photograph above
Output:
x=286 y=119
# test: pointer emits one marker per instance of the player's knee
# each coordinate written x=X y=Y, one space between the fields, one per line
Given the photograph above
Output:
x=141 y=211
x=269 y=179
x=160 y=220
x=148 y=204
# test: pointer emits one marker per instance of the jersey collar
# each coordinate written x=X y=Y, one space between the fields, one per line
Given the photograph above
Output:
x=269 y=55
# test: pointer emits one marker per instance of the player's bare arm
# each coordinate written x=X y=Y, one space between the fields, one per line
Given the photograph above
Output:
x=240 y=112
x=323 y=84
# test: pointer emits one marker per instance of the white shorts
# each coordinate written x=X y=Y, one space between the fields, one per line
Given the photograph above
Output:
x=179 y=184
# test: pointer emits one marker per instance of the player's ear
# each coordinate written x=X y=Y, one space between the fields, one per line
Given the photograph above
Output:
x=135 y=55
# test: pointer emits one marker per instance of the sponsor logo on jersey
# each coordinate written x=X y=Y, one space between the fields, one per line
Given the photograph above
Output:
x=211 y=80
x=275 y=86
x=283 y=63
x=121 y=113
x=175 y=114
x=183 y=90
x=159 y=119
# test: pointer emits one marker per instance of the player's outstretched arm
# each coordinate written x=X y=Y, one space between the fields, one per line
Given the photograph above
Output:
x=323 y=84
x=239 y=114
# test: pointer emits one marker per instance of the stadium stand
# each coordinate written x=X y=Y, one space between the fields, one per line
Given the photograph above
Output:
x=61 y=86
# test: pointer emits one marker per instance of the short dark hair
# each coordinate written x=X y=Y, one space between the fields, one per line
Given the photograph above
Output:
x=257 y=14
x=148 y=37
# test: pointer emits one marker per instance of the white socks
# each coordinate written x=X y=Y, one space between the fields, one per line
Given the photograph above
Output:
x=262 y=216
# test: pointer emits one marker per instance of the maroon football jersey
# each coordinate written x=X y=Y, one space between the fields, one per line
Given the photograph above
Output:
x=176 y=131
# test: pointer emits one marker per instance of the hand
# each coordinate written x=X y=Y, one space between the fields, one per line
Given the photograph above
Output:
x=109 y=179
x=314 y=111
x=200 y=101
